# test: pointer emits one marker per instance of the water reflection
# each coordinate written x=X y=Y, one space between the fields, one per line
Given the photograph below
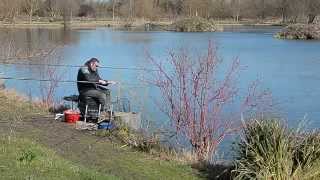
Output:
x=132 y=37
x=33 y=39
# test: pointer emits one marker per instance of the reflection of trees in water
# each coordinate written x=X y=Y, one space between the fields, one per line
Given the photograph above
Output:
x=132 y=37
x=30 y=40
x=35 y=46
x=7 y=46
x=32 y=45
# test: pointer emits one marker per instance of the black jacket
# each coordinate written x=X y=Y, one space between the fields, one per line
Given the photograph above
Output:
x=85 y=74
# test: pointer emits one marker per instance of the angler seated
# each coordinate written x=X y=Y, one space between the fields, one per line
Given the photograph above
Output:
x=91 y=86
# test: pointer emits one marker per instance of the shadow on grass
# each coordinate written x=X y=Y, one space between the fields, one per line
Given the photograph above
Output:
x=214 y=172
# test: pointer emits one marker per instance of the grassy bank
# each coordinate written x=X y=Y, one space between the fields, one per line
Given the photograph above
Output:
x=24 y=159
x=81 y=23
x=58 y=151
x=268 y=149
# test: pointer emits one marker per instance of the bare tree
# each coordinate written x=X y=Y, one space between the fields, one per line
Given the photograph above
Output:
x=113 y=8
x=30 y=7
x=68 y=8
x=195 y=100
x=312 y=9
x=261 y=9
x=9 y=9
x=52 y=8
x=50 y=73
x=282 y=7
x=222 y=8
x=145 y=7
x=235 y=6
x=287 y=10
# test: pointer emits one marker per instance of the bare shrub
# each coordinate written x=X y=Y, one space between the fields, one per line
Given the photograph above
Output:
x=52 y=76
x=196 y=100
x=47 y=75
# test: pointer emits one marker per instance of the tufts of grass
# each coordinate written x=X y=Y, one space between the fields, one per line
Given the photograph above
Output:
x=265 y=151
x=27 y=156
x=307 y=155
x=24 y=159
x=270 y=150
x=15 y=107
x=148 y=143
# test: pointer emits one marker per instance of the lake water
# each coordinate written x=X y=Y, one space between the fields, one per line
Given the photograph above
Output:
x=290 y=69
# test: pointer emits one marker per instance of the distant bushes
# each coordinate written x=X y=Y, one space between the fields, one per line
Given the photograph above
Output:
x=300 y=32
x=270 y=150
x=196 y=24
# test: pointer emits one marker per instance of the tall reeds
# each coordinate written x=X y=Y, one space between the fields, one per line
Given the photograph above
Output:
x=270 y=150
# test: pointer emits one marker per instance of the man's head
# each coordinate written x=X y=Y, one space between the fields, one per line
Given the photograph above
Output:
x=93 y=63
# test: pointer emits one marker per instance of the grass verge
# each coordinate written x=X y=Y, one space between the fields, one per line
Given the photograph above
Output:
x=24 y=159
x=80 y=155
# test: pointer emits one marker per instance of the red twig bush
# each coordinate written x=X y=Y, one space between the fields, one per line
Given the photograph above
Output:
x=52 y=76
x=195 y=98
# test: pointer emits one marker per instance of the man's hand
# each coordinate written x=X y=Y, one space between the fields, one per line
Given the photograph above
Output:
x=103 y=82
x=111 y=82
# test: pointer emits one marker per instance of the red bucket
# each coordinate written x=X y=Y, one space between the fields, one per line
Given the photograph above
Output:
x=71 y=116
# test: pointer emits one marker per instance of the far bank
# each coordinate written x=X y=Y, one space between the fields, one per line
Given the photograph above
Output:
x=133 y=25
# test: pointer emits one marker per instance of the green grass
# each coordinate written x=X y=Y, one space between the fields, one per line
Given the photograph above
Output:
x=24 y=159
x=58 y=151
x=113 y=159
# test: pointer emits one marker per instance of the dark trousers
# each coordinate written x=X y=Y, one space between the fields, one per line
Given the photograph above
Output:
x=102 y=96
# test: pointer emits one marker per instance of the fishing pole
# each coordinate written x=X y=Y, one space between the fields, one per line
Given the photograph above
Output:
x=66 y=81
x=77 y=66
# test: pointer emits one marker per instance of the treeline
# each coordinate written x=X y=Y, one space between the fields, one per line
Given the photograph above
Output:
x=284 y=10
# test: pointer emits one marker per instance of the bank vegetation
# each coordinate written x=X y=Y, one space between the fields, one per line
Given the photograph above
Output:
x=300 y=32
x=275 y=11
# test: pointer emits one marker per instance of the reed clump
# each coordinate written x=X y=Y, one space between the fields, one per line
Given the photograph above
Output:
x=270 y=150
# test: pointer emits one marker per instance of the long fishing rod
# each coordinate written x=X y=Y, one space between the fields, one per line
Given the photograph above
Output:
x=66 y=81
x=77 y=66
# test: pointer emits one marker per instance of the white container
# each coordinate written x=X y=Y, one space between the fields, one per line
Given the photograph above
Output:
x=131 y=119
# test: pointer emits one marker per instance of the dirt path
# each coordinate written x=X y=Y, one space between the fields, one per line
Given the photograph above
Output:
x=96 y=152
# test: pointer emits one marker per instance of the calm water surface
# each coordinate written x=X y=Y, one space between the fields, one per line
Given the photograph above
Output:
x=290 y=69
